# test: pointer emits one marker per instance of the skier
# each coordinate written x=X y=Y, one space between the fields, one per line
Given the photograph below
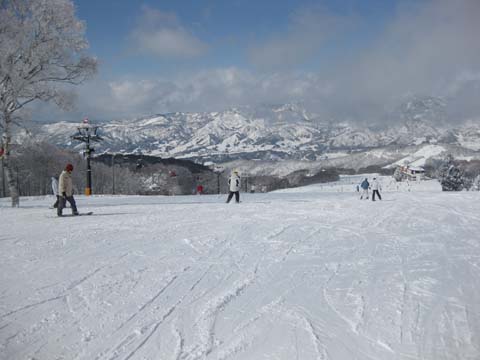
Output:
x=55 y=190
x=375 y=188
x=65 y=187
x=234 y=183
x=364 y=185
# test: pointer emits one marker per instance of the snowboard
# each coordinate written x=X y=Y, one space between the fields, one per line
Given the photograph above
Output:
x=81 y=214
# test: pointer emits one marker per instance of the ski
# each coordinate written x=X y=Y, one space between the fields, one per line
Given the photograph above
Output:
x=81 y=214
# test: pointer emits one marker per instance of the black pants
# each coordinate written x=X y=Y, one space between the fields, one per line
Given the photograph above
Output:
x=230 y=195
x=63 y=202
x=373 y=195
x=55 y=205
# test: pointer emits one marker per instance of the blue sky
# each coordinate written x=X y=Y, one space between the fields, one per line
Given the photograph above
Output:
x=342 y=57
x=225 y=32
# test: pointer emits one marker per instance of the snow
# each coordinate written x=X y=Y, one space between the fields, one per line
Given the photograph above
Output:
x=420 y=157
x=309 y=273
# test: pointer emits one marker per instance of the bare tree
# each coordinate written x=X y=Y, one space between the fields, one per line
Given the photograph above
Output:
x=42 y=47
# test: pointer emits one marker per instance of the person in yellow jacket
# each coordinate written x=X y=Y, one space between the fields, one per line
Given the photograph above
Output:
x=65 y=190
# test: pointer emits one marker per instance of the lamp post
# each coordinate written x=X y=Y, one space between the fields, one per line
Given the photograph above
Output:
x=87 y=133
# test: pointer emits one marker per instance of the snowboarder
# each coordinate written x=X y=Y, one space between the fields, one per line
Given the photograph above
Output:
x=55 y=190
x=375 y=189
x=364 y=185
x=234 y=183
x=65 y=188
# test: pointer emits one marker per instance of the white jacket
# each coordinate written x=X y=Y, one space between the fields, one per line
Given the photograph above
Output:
x=234 y=183
x=376 y=185
x=65 y=184
x=55 y=186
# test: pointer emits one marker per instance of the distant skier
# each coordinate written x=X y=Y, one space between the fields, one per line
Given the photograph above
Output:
x=55 y=190
x=375 y=188
x=234 y=184
x=364 y=185
x=65 y=188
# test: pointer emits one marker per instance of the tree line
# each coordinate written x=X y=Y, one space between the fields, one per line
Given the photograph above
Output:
x=33 y=165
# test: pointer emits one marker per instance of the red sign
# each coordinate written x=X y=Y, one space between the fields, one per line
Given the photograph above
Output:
x=1 y=152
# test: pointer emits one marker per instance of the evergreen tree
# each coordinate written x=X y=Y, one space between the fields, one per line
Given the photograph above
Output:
x=397 y=175
x=450 y=176
x=476 y=184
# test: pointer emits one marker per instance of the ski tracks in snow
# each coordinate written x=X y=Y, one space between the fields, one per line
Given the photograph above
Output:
x=206 y=341
x=63 y=295
x=301 y=282
x=140 y=327
x=144 y=328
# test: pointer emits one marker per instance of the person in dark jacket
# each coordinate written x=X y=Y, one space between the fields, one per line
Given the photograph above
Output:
x=364 y=185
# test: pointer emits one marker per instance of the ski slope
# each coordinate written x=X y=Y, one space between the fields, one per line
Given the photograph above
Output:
x=309 y=273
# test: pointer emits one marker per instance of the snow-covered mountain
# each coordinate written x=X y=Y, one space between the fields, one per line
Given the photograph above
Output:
x=274 y=132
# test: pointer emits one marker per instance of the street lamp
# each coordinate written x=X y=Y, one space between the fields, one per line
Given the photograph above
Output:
x=87 y=133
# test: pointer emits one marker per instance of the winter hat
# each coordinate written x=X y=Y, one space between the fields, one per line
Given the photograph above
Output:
x=69 y=167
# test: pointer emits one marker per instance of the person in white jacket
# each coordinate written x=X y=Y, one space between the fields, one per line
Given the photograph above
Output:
x=234 y=187
x=65 y=189
x=376 y=187
x=55 y=191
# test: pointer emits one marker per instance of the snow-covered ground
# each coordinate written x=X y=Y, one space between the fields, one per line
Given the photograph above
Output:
x=310 y=273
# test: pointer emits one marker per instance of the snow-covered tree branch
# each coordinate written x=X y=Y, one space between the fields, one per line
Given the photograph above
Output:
x=42 y=48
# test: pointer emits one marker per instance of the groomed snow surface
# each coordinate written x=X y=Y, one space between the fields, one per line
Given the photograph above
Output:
x=310 y=273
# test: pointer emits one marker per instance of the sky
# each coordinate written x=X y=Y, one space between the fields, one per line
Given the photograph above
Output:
x=343 y=59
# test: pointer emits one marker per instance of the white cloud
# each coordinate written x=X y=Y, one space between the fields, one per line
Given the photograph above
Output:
x=428 y=48
x=161 y=34
x=209 y=90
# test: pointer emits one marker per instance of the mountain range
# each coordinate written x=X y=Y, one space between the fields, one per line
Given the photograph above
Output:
x=269 y=133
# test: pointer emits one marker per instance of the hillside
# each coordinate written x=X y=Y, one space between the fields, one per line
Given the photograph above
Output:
x=308 y=273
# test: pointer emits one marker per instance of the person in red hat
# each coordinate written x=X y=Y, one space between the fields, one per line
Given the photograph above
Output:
x=65 y=188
